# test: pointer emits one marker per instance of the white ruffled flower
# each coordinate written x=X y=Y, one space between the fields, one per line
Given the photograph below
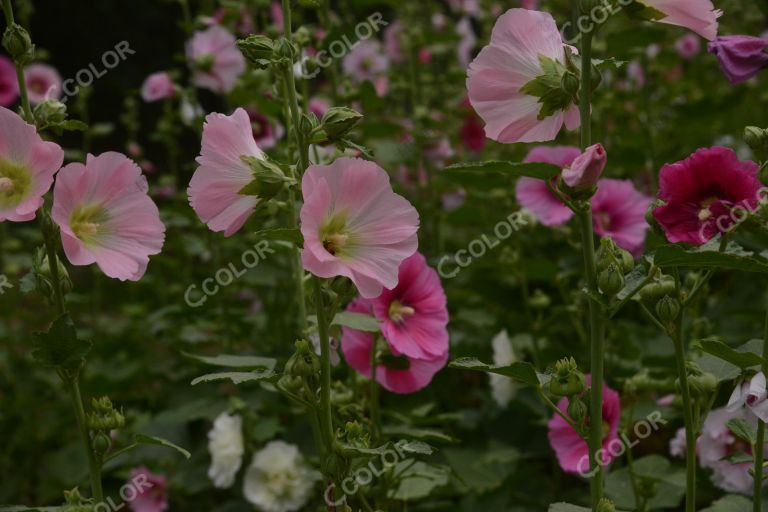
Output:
x=278 y=479
x=225 y=442
x=502 y=388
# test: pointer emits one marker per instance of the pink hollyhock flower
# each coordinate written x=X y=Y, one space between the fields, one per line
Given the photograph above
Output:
x=534 y=194
x=9 y=83
x=571 y=450
x=216 y=61
x=27 y=166
x=152 y=491
x=586 y=168
x=414 y=314
x=618 y=211
x=472 y=133
x=392 y=45
x=106 y=216
x=319 y=106
x=701 y=193
x=688 y=46
x=366 y=61
x=699 y=16
x=452 y=201
x=43 y=82
x=276 y=13
x=753 y=394
x=354 y=225
x=266 y=133
x=439 y=152
x=158 y=86
x=467 y=40
x=214 y=191
x=740 y=57
x=521 y=41
x=397 y=373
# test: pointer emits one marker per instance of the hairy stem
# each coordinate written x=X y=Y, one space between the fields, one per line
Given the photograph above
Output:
x=94 y=466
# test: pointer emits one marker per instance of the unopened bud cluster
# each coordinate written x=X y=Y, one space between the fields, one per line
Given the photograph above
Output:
x=613 y=263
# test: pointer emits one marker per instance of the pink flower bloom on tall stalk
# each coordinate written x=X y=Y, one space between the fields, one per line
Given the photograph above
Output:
x=319 y=106
x=266 y=133
x=618 y=211
x=392 y=44
x=571 y=450
x=214 y=191
x=688 y=46
x=751 y=393
x=9 y=83
x=586 y=168
x=699 y=16
x=27 y=166
x=106 y=216
x=701 y=193
x=43 y=82
x=396 y=373
x=534 y=194
x=215 y=59
x=467 y=40
x=152 y=491
x=414 y=314
x=472 y=133
x=520 y=42
x=158 y=86
x=354 y=225
x=367 y=61
x=740 y=57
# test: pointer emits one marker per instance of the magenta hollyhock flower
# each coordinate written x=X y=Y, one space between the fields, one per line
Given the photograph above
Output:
x=152 y=491
x=534 y=194
x=688 y=46
x=9 y=83
x=216 y=61
x=27 y=166
x=396 y=373
x=472 y=134
x=43 y=82
x=106 y=216
x=571 y=450
x=521 y=41
x=586 y=168
x=414 y=314
x=699 y=16
x=214 y=191
x=354 y=225
x=740 y=57
x=618 y=211
x=158 y=86
x=266 y=133
x=701 y=193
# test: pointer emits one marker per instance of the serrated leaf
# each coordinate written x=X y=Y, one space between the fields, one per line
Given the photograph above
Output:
x=235 y=361
x=158 y=441
x=60 y=347
x=357 y=321
x=722 y=351
x=520 y=371
x=236 y=377
x=743 y=430
x=537 y=170
x=734 y=257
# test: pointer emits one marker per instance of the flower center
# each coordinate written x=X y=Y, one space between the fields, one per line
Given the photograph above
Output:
x=335 y=235
x=603 y=219
x=705 y=213
x=15 y=184
x=87 y=222
x=398 y=312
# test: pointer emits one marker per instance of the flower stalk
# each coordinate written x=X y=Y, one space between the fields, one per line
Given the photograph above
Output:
x=758 y=477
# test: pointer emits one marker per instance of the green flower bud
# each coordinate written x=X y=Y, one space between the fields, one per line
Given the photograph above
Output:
x=610 y=281
x=259 y=50
x=571 y=385
x=339 y=121
x=605 y=505
x=269 y=179
x=757 y=139
x=539 y=300
x=291 y=383
x=667 y=285
x=286 y=50
x=652 y=291
x=702 y=385
x=626 y=261
x=302 y=36
x=101 y=444
x=668 y=308
x=570 y=83
x=18 y=44
x=50 y=112
x=577 y=410
x=564 y=367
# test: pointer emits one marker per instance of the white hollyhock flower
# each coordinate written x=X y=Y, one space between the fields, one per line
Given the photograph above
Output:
x=225 y=442
x=278 y=479
x=753 y=394
x=502 y=388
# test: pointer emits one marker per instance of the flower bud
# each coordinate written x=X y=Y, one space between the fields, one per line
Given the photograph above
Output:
x=740 y=57
x=610 y=281
x=605 y=505
x=586 y=168
x=757 y=139
x=577 y=410
x=49 y=112
x=101 y=444
x=18 y=44
x=570 y=83
x=285 y=49
x=702 y=385
x=339 y=121
x=268 y=178
x=668 y=308
x=539 y=300
x=258 y=49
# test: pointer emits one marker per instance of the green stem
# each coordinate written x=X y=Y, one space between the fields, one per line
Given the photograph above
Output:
x=757 y=500
x=373 y=398
x=690 y=431
x=93 y=464
x=585 y=96
x=8 y=10
x=326 y=419
x=51 y=246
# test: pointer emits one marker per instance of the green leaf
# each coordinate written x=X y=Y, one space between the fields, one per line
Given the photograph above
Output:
x=236 y=377
x=519 y=371
x=233 y=361
x=357 y=321
x=537 y=170
x=742 y=430
x=145 y=439
x=567 y=507
x=610 y=64
x=724 y=370
x=730 y=503
x=417 y=480
x=292 y=235
x=722 y=351
x=734 y=257
x=485 y=471
x=632 y=281
x=422 y=434
x=60 y=347
x=669 y=480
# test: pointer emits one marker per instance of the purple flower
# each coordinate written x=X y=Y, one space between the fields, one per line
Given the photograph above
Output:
x=741 y=57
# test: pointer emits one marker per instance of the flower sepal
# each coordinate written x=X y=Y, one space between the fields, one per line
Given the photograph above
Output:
x=269 y=179
x=549 y=88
